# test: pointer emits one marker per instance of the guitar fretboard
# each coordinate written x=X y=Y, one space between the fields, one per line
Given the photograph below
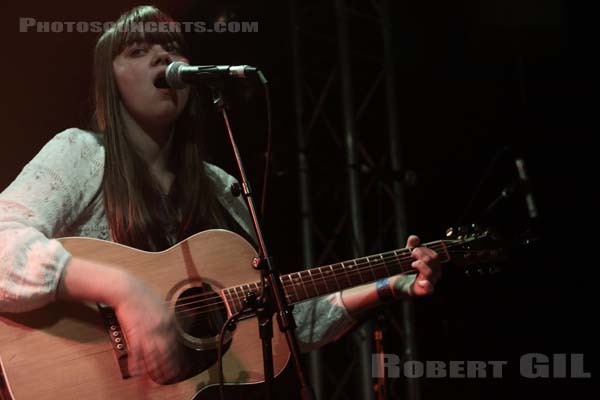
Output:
x=304 y=285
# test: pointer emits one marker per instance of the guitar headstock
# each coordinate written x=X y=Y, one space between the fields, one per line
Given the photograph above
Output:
x=478 y=250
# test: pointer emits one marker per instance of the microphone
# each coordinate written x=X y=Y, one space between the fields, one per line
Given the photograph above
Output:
x=524 y=179
x=180 y=75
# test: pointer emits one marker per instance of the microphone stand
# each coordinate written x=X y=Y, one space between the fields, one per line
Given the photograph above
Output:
x=272 y=299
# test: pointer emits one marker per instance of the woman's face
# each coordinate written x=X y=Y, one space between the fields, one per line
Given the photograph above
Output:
x=136 y=69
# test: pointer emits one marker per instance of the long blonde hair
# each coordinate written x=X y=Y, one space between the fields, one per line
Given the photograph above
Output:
x=132 y=202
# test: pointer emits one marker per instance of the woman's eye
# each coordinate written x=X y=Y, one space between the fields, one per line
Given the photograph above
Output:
x=138 y=51
x=172 y=48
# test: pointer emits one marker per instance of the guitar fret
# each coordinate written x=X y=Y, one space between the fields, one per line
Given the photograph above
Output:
x=299 y=280
x=240 y=294
x=317 y=279
x=385 y=265
x=354 y=274
x=232 y=303
x=227 y=298
x=236 y=301
x=399 y=261
x=405 y=265
x=313 y=284
x=311 y=288
x=371 y=268
x=360 y=270
x=335 y=277
x=324 y=271
x=289 y=295
x=346 y=274
x=322 y=286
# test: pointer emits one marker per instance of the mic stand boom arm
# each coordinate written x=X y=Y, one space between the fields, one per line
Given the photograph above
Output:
x=272 y=298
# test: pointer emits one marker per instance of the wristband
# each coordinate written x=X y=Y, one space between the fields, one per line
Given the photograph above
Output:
x=384 y=290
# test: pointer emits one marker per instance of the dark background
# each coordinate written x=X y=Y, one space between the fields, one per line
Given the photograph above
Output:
x=472 y=79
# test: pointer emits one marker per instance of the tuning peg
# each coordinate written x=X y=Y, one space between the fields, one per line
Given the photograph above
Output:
x=450 y=232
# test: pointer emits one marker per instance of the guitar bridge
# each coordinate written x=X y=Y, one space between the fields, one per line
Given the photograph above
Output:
x=111 y=324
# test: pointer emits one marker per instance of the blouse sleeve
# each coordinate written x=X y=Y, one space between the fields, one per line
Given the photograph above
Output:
x=48 y=195
x=321 y=321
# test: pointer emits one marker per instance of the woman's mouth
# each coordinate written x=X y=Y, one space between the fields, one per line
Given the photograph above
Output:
x=160 y=82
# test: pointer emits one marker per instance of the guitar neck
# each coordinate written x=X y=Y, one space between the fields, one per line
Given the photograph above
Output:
x=315 y=282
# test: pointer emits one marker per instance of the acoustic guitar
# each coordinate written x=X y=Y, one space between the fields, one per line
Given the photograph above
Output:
x=78 y=351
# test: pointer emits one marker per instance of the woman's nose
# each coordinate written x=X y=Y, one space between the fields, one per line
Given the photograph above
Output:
x=161 y=56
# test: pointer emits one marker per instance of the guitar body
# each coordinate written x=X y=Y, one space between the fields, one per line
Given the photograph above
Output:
x=77 y=351
x=69 y=350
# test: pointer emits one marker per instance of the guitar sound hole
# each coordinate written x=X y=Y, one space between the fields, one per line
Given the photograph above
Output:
x=200 y=313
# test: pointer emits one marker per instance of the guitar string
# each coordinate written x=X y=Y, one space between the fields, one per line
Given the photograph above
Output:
x=216 y=305
x=219 y=299
x=316 y=280
x=215 y=308
x=222 y=308
x=235 y=296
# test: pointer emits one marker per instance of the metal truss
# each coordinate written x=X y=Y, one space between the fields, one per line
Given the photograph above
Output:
x=349 y=165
